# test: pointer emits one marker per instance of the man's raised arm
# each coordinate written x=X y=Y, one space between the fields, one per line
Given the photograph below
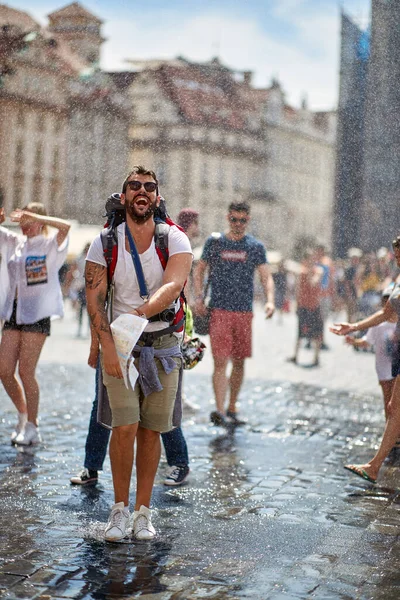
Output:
x=96 y=295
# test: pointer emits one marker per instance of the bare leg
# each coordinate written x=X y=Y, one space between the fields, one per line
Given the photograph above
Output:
x=387 y=390
x=392 y=431
x=148 y=452
x=318 y=344
x=235 y=382
x=121 y=458
x=296 y=351
x=30 y=349
x=9 y=354
x=220 y=382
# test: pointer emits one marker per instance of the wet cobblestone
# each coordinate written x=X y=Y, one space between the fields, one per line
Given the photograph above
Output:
x=268 y=513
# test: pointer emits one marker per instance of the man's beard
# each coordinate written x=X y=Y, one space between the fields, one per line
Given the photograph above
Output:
x=143 y=217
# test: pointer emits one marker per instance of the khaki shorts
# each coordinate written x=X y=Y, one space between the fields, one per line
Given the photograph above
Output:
x=130 y=406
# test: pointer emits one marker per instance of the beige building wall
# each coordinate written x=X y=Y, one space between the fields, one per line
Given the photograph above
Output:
x=33 y=137
x=198 y=166
x=283 y=165
x=301 y=177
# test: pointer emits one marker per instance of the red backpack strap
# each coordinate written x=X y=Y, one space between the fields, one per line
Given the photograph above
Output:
x=109 y=240
x=161 y=243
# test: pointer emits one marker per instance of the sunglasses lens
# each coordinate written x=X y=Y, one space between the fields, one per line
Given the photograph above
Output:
x=149 y=186
x=135 y=185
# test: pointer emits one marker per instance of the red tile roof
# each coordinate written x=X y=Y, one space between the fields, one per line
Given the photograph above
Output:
x=204 y=94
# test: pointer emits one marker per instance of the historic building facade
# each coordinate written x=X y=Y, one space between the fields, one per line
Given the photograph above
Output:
x=299 y=171
x=215 y=139
x=69 y=132
x=63 y=132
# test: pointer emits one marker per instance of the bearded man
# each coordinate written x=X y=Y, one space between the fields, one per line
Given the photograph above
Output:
x=134 y=415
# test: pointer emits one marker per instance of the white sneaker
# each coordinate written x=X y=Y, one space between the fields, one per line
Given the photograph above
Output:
x=118 y=524
x=28 y=435
x=142 y=527
x=19 y=426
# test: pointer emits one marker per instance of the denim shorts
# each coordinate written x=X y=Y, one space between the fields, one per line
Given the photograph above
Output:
x=42 y=326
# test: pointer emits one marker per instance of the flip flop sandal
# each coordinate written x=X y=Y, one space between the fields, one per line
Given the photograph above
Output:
x=360 y=472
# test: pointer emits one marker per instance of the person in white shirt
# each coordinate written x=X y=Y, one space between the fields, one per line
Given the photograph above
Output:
x=138 y=414
x=30 y=294
x=381 y=338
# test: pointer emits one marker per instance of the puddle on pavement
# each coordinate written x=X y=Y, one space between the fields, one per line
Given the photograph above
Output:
x=261 y=503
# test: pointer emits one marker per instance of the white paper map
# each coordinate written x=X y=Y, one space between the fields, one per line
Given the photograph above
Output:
x=126 y=330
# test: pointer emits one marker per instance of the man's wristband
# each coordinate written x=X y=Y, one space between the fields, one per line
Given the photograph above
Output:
x=354 y=327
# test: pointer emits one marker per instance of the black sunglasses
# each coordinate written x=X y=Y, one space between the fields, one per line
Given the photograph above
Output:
x=149 y=186
x=242 y=220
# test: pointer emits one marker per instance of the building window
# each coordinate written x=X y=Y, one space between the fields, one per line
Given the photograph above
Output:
x=20 y=117
x=37 y=189
x=19 y=156
x=204 y=175
x=17 y=199
x=56 y=161
x=161 y=173
x=54 y=199
x=38 y=159
x=220 y=175
x=40 y=122
x=57 y=125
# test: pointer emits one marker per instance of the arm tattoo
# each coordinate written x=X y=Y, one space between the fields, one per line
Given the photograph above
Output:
x=94 y=277
x=94 y=274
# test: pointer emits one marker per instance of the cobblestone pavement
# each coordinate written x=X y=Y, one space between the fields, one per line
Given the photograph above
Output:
x=268 y=512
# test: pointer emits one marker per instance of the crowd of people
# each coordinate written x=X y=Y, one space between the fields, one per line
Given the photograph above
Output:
x=141 y=264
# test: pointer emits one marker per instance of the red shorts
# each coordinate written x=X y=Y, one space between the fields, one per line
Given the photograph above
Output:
x=230 y=334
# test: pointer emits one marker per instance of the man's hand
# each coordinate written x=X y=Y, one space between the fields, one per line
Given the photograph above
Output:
x=93 y=355
x=269 y=309
x=342 y=328
x=111 y=362
x=2 y=216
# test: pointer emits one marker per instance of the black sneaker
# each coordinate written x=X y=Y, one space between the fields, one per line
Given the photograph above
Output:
x=218 y=418
x=84 y=477
x=177 y=475
x=234 y=419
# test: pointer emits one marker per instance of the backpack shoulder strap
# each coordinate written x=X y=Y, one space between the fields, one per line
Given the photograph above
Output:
x=109 y=240
x=161 y=242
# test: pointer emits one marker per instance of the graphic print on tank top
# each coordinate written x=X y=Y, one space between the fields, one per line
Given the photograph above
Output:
x=36 y=270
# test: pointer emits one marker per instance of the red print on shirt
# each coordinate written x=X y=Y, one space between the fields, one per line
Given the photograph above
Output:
x=234 y=255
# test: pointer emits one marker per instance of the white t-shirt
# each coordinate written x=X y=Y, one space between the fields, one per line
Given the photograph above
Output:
x=381 y=337
x=126 y=287
x=29 y=268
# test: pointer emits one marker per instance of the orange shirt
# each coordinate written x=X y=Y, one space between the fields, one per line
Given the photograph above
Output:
x=308 y=292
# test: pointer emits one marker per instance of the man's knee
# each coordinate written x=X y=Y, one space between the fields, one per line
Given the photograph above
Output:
x=124 y=434
x=220 y=364
x=237 y=364
x=148 y=435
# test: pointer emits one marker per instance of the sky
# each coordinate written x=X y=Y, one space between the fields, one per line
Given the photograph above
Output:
x=295 y=41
